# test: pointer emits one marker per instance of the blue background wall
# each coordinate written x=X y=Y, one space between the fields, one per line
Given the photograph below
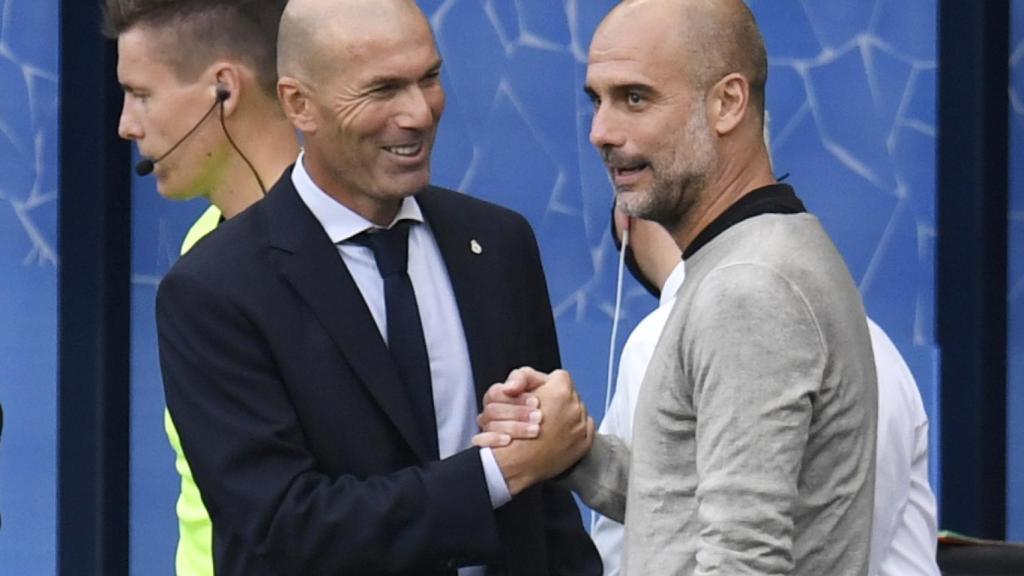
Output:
x=852 y=102
x=28 y=284
x=1015 y=365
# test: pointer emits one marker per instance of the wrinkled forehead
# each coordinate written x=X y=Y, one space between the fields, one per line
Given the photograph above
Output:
x=343 y=42
x=398 y=55
x=408 y=33
x=640 y=23
x=642 y=50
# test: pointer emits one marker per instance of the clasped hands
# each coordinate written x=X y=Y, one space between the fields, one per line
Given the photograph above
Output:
x=536 y=425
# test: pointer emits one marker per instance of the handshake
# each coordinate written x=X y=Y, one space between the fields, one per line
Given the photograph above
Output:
x=536 y=425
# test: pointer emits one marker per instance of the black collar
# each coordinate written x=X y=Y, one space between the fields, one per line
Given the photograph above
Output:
x=771 y=199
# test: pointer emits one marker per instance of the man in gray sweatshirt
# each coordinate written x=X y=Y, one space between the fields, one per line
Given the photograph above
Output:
x=754 y=441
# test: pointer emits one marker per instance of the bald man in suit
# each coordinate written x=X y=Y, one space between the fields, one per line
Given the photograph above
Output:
x=325 y=435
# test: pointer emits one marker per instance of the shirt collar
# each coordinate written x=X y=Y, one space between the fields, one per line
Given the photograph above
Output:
x=339 y=221
x=772 y=199
x=672 y=284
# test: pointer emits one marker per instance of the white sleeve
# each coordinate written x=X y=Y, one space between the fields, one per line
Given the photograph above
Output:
x=904 y=529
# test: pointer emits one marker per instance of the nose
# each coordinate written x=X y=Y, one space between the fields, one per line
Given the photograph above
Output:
x=127 y=126
x=604 y=129
x=420 y=107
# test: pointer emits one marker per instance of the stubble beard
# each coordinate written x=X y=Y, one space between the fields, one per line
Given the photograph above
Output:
x=680 y=176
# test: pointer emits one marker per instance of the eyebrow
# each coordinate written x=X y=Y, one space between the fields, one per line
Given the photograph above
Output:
x=618 y=89
x=385 y=80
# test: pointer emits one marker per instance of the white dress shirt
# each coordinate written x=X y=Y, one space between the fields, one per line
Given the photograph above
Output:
x=903 y=535
x=904 y=532
x=451 y=374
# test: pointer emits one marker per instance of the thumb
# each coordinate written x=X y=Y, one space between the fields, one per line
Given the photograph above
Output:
x=523 y=380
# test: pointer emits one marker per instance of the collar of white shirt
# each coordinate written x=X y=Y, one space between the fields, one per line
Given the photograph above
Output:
x=339 y=221
x=673 y=283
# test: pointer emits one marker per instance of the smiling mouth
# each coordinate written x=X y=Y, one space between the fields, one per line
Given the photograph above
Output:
x=407 y=151
x=628 y=171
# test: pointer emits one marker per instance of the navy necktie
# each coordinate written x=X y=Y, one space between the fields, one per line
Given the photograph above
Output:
x=405 y=331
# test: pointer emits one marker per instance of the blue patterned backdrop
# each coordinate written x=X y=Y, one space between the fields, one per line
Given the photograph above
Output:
x=28 y=284
x=1015 y=391
x=851 y=97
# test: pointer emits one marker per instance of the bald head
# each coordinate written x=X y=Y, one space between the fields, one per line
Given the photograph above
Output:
x=317 y=32
x=712 y=38
x=678 y=93
x=361 y=79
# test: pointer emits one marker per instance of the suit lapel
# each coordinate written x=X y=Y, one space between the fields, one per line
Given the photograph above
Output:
x=310 y=263
x=463 y=245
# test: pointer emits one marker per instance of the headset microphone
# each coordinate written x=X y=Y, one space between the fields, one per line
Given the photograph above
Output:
x=146 y=165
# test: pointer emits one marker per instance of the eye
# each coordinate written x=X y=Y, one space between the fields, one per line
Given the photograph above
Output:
x=431 y=78
x=634 y=98
x=132 y=93
x=138 y=96
x=384 y=91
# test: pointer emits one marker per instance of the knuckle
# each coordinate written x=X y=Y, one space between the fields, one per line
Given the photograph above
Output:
x=563 y=393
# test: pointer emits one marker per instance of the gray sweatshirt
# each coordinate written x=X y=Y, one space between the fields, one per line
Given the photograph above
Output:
x=754 y=438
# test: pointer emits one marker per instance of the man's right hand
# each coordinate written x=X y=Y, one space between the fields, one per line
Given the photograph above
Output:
x=537 y=452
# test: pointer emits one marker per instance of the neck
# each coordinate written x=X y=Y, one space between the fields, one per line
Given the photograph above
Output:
x=733 y=180
x=665 y=262
x=380 y=211
x=270 y=144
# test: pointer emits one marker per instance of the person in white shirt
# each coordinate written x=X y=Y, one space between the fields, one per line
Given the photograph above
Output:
x=903 y=538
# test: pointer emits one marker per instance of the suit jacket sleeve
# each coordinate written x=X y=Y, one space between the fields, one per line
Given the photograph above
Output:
x=261 y=484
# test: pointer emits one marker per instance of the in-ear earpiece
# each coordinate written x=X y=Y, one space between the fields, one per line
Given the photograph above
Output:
x=223 y=93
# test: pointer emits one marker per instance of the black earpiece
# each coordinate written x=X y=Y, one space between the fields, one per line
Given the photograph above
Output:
x=147 y=165
x=222 y=95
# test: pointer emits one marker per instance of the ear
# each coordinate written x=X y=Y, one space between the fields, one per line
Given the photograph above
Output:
x=226 y=79
x=297 y=104
x=730 y=98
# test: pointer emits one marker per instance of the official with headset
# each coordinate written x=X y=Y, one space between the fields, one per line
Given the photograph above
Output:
x=176 y=59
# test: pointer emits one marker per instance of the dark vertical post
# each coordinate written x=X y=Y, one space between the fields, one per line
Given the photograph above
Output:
x=972 y=209
x=94 y=280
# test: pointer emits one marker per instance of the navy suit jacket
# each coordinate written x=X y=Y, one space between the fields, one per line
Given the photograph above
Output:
x=298 y=431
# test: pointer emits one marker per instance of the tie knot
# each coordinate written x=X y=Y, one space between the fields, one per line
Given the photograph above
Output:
x=390 y=247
